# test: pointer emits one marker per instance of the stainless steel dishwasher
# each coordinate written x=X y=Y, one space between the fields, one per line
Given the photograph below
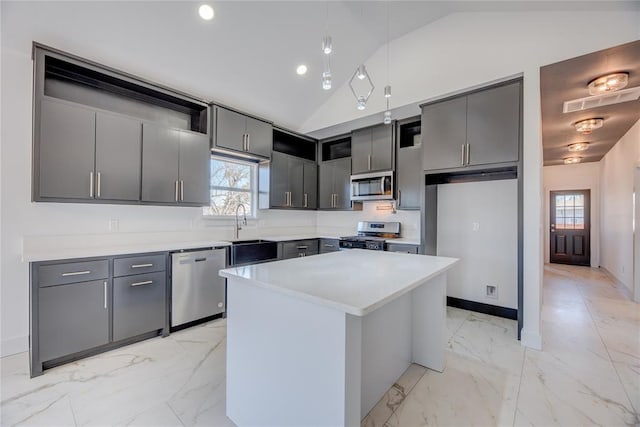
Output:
x=197 y=291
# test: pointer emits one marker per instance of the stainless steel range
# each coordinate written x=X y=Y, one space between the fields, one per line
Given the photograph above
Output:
x=371 y=235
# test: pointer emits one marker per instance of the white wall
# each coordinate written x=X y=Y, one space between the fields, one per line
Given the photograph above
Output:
x=616 y=207
x=584 y=176
x=477 y=222
x=469 y=49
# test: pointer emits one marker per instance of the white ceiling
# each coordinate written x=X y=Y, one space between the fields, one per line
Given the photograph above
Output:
x=246 y=56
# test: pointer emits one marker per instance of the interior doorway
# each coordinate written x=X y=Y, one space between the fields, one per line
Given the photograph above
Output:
x=570 y=233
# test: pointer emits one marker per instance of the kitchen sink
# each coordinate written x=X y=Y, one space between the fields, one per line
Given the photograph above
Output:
x=253 y=251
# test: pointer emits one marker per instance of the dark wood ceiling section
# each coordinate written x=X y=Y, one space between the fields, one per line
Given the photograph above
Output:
x=568 y=80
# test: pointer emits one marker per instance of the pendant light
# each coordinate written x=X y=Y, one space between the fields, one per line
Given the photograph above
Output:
x=387 y=89
x=327 y=50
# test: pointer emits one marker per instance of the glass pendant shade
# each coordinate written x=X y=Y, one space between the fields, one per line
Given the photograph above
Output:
x=387 y=117
x=387 y=91
x=326 y=80
x=362 y=103
x=361 y=73
x=327 y=46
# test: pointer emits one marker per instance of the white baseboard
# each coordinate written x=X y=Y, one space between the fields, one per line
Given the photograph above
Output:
x=14 y=346
x=531 y=339
x=621 y=285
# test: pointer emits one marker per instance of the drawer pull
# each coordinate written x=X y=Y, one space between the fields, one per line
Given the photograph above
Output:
x=76 y=273
x=142 y=265
x=302 y=247
x=326 y=245
x=146 y=282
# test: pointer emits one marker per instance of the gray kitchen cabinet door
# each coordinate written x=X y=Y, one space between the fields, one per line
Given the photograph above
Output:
x=260 y=137
x=67 y=151
x=118 y=151
x=138 y=304
x=230 y=129
x=342 y=183
x=493 y=125
x=72 y=318
x=328 y=245
x=444 y=133
x=382 y=148
x=360 y=151
x=194 y=169
x=310 y=181
x=409 y=175
x=296 y=177
x=160 y=160
x=325 y=185
x=279 y=180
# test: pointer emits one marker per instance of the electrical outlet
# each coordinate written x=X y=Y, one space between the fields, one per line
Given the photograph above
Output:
x=114 y=224
x=475 y=226
x=492 y=291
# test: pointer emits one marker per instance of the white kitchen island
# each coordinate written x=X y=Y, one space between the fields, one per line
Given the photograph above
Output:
x=319 y=340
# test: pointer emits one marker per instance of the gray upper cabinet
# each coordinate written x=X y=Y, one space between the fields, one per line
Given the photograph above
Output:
x=88 y=136
x=66 y=151
x=334 y=181
x=409 y=172
x=444 y=133
x=493 y=125
x=235 y=131
x=478 y=129
x=372 y=149
x=175 y=166
x=160 y=163
x=194 y=169
x=293 y=182
x=118 y=151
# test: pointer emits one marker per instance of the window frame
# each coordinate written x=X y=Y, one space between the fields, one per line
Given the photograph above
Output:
x=253 y=190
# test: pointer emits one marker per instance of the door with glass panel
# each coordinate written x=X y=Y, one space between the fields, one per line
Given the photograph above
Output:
x=570 y=227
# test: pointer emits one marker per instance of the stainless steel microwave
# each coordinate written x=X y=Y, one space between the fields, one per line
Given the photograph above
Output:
x=372 y=186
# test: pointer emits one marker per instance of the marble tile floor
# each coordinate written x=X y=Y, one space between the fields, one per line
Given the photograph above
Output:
x=587 y=374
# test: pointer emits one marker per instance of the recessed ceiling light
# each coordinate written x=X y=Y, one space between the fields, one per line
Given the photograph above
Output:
x=608 y=83
x=578 y=146
x=301 y=70
x=572 y=160
x=589 y=125
x=206 y=12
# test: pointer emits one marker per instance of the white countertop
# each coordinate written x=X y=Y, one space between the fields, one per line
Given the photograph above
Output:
x=354 y=281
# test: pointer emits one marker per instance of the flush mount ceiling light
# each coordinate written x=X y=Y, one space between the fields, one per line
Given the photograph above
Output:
x=572 y=160
x=301 y=70
x=366 y=90
x=608 y=83
x=589 y=125
x=578 y=146
x=206 y=12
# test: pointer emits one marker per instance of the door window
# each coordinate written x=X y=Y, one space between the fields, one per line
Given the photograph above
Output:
x=569 y=211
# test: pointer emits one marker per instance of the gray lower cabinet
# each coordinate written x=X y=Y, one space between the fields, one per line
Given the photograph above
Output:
x=328 y=245
x=404 y=248
x=175 y=166
x=72 y=318
x=138 y=304
x=238 y=132
x=298 y=248
x=334 y=184
x=482 y=128
x=293 y=182
x=372 y=149
x=84 y=306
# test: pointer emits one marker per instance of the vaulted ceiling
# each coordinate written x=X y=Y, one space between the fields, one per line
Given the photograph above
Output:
x=246 y=56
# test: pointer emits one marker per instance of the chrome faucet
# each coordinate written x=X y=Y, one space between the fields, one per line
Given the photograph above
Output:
x=244 y=219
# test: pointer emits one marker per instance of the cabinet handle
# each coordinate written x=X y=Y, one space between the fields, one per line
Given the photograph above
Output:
x=142 y=265
x=326 y=245
x=181 y=190
x=302 y=247
x=146 y=282
x=76 y=273
x=369 y=162
x=463 y=158
x=91 y=184
x=468 y=154
x=105 y=295
x=98 y=184
x=306 y=200
x=399 y=197
x=244 y=142
x=335 y=205
x=176 y=190
x=248 y=142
